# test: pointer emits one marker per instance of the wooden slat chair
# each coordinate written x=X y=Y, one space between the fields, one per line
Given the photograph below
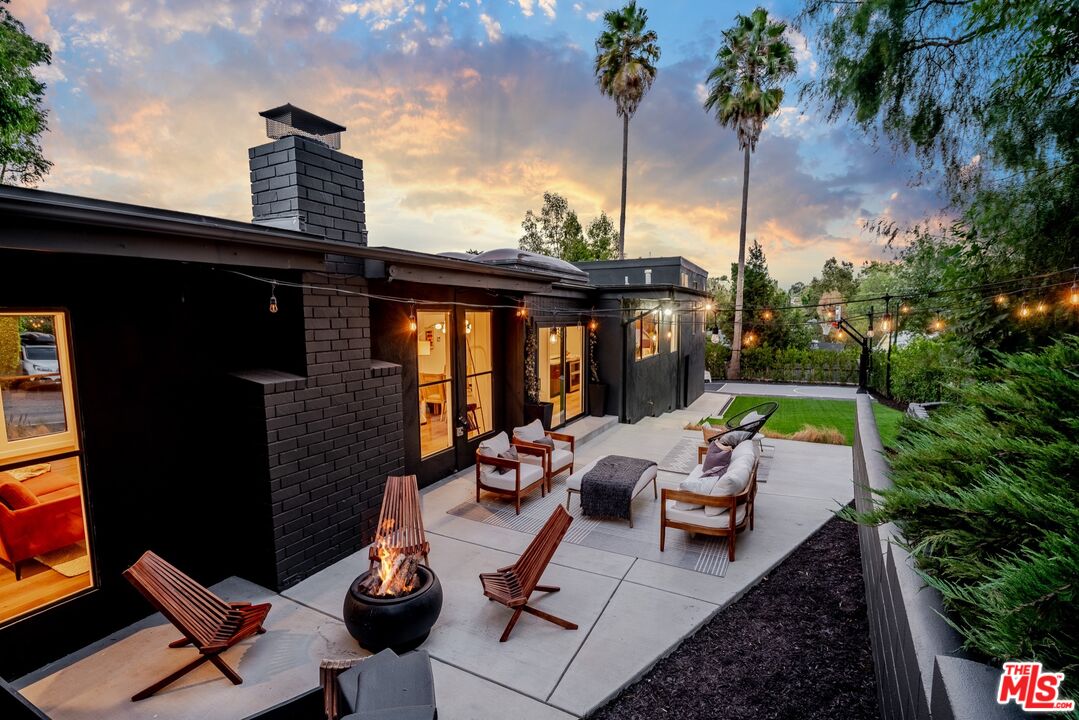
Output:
x=205 y=620
x=400 y=519
x=513 y=585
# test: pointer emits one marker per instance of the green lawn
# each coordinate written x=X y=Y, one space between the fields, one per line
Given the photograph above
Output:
x=795 y=413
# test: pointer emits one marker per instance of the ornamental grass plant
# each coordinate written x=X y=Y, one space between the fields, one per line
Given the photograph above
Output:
x=986 y=494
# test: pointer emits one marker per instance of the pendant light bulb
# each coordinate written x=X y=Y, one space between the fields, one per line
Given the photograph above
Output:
x=273 y=297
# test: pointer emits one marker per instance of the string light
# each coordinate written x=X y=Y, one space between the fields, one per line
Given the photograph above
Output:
x=767 y=315
x=1041 y=308
x=593 y=324
x=904 y=308
x=1073 y=295
x=1024 y=311
x=554 y=336
x=709 y=307
x=273 y=297
x=938 y=325
x=1002 y=300
x=886 y=322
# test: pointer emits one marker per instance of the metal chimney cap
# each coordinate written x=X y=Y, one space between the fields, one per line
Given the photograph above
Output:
x=288 y=119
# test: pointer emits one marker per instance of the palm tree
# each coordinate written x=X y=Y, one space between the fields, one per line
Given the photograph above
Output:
x=626 y=57
x=743 y=91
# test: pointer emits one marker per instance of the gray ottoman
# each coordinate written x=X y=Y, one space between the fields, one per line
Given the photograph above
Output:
x=573 y=483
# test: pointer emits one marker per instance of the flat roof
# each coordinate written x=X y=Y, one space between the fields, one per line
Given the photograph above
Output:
x=641 y=262
x=40 y=206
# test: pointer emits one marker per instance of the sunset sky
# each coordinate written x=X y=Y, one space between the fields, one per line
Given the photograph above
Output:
x=464 y=113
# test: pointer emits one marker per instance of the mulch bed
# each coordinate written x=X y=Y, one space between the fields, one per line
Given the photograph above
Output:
x=794 y=646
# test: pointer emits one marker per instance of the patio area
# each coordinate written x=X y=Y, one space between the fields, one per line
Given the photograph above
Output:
x=633 y=604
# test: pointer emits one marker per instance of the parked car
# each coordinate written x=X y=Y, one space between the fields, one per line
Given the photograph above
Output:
x=41 y=364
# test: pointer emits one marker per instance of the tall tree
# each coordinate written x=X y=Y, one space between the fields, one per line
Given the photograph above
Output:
x=22 y=117
x=625 y=66
x=557 y=232
x=743 y=91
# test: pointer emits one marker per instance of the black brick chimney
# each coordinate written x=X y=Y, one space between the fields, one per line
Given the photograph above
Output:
x=301 y=181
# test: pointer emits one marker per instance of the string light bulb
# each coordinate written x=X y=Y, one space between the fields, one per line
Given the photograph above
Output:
x=1073 y=294
x=412 y=324
x=709 y=307
x=1024 y=311
x=1002 y=300
x=767 y=315
x=554 y=336
x=1041 y=308
x=273 y=297
x=904 y=308
x=669 y=335
x=886 y=322
x=938 y=325
x=593 y=325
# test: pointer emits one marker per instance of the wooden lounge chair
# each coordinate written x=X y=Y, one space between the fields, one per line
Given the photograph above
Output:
x=400 y=519
x=737 y=513
x=521 y=476
x=513 y=585
x=558 y=457
x=205 y=620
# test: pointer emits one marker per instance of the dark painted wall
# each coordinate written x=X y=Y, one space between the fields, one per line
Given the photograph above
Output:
x=153 y=347
x=665 y=271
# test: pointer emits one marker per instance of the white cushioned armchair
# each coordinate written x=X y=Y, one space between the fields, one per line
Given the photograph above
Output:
x=557 y=458
x=508 y=477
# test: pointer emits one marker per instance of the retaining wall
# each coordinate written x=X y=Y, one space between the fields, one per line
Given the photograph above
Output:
x=922 y=672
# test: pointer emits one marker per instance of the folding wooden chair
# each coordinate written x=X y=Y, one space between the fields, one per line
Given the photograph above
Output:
x=400 y=519
x=206 y=621
x=513 y=585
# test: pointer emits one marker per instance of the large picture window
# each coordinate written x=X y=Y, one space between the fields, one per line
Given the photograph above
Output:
x=44 y=553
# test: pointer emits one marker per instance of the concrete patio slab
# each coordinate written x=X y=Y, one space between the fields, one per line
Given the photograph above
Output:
x=464 y=696
x=276 y=666
x=631 y=608
x=639 y=626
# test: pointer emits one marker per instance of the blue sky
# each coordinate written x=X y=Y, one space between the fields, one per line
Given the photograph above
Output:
x=464 y=112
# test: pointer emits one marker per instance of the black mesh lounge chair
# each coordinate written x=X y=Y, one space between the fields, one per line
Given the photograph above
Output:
x=751 y=420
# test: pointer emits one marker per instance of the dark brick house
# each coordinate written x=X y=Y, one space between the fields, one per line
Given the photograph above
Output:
x=236 y=393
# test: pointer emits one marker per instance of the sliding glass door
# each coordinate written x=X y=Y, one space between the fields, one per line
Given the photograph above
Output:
x=562 y=364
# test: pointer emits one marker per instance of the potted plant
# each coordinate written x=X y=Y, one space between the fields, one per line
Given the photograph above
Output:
x=534 y=409
x=597 y=391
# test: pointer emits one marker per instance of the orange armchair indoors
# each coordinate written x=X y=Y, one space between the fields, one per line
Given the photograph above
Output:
x=37 y=516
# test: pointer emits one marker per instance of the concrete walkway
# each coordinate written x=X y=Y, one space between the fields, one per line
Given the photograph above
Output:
x=631 y=611
x=831 y=392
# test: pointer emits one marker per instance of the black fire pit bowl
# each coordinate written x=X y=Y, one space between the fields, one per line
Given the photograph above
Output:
x=400 y=623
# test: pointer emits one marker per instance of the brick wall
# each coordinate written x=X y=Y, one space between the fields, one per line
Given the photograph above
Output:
x=301 y=179
x=332 y=437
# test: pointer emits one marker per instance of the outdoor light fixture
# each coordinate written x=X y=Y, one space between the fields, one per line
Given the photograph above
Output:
x=1002 y=299
x=592 y=325
x=767 y=315
x=273 y=297
x=412 y=324
x=554 y=335
x=1042 y=307
x=938 y=324
x=709 y=307
x=886 y=322
x=1024 y=311
x=904 y=308
x=1073 y=295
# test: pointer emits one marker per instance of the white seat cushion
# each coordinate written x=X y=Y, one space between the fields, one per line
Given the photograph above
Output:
x=698 y=517
x=529 y=474
x=573 y=482
x=560 y=458
x=531 y=432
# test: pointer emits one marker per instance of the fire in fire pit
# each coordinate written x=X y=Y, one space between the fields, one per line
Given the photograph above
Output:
x=397 y=570
x=396 y=602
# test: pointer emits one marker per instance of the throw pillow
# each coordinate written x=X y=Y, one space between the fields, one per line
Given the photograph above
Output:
x=16 y=496
x=733 y=482
x=733 y=438
x=510 y=454
x=532 y=432
x=717 y=460
x=545 y=441
x=693 y=486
